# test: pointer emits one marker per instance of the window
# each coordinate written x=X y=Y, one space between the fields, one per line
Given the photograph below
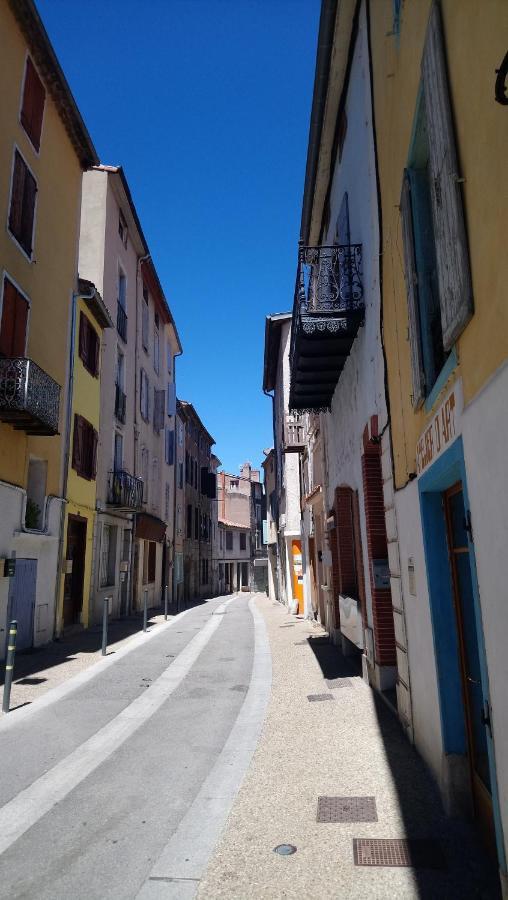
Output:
x=107 y=563
x=122 y=289
x=144 y=396
x=158 y=410
x=180 y=434
x=155 y=484
x=13 y=327
x=32 y=109
x=120 y=370
x=179 y=520
x=144 y=319
x=89 y=345
x=170 y=446
x=171 y=399
x=118 y=452
x=243 y=541
x=195 y=473
x=84 y=448
x=169 y=359
x=436 y=258
x=145 y=462
x=22 y=210
x=196 y=524
x=188 y=532
x=187 y=467
x=122 y=228
x=36 y=493
x=229 y=540
x=233 y=484
x=156 y=344
x=166 y=501
x=180 y=475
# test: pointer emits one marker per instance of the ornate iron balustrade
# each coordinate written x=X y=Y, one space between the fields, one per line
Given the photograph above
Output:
x=328 y=310
x=120 y=404
x=121 y=321
x=125 y=490
x=29 y=397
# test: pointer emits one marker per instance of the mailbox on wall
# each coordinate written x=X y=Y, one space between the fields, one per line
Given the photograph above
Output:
x=381 y=573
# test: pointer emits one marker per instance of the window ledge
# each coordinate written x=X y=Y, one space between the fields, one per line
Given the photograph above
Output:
x=450 y=364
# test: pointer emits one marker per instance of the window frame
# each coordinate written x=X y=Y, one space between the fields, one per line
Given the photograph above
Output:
x=36 y=150
x=83 y=318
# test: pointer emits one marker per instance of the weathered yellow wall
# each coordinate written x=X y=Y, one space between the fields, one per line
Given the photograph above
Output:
x=475 y=40
x=50 y=280
x=81 y=493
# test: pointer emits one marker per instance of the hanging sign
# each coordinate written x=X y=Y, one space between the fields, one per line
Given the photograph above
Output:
x=442 y=429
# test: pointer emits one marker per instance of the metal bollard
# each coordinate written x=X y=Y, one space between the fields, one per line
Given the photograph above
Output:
x=9 y=665
x=145 y=610
x=165 y=602
x=105 y=612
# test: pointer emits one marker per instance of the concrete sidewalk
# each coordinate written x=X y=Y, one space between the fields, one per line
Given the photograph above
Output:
x=350 y=745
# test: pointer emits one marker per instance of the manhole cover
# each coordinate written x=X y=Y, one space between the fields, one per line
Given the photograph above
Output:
x=312 y=698
x=285 y=849
x=346 y=809
x=334 y=683
x=417 y=854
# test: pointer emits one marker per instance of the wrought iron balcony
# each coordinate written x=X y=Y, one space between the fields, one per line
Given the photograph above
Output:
x=125 y=491
x=327 y=313
x=29 y=397
x=120 y=403
x=294 y=433
x=121 y=321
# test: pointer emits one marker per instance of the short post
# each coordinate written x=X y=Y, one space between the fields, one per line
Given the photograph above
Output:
x=9 y=665
x=145 y=609
x=165 y=602
x=105 y=612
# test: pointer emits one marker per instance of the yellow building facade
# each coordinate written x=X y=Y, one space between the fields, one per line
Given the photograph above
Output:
x=441 y=131
x=44 y=148
x=90 y=318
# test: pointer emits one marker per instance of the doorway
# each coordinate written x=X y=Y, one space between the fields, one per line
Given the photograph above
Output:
x=22 y=589
x=476 y=711
x=73 y=583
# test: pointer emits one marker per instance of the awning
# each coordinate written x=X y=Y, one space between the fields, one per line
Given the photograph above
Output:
x=150 y=528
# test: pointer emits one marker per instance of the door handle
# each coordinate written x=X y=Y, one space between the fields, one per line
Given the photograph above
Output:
x=485 y=717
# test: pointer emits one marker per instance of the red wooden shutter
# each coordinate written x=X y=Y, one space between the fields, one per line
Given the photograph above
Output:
x=14 y=322
x=32 y=110
x=28 y=213
x=18 y=182
x=347 y=568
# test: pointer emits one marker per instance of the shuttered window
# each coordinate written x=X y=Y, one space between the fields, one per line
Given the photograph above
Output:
x=152 y=556
x=455 y=289
x=32 y=109
x=415 y=343
x=22 y=210
x=89 y=345
x=144 y=396
x=13 y=327
x=84 y=448
x=170 y=446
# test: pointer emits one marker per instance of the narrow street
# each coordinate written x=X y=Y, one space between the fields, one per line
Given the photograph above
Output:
x=136 y=778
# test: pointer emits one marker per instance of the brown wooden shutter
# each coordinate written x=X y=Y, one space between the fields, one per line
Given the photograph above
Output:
x=412 y=294
x=94 y=443
x=454 y=276
x=18 y=182
x=96 y=347
x=357 y=539
x=77 y=444
x=32 y=110
x=14 y=322
x=344 y=527
x=83 y=338
x=27 y=219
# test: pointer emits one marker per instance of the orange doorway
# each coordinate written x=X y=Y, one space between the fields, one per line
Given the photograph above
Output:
x=296 y=555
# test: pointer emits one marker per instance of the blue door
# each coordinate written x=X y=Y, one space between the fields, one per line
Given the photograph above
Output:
x=22 y=601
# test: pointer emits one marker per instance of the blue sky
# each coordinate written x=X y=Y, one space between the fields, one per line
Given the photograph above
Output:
x=206 y=105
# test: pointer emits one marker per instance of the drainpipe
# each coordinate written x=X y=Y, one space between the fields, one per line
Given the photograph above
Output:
x=67 y=444
x=176 y=464
x=141 y=259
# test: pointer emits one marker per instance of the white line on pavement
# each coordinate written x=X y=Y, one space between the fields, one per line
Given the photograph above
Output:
x=181 y=865
x=24 y=810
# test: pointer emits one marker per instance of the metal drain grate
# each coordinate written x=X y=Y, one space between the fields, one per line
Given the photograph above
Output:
x=417 y=854
x=346 y=809
x=339 y=683
x=313 y=697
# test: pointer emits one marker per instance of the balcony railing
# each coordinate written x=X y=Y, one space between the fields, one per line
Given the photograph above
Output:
x=294 y=433
x=29 y=397
x=327 y=313
x=120 y=404
x=121 y=322
x=125 y=491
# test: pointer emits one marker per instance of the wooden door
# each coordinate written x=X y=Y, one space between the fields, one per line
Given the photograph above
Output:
x=476 y=707
x=22 y=601
x=73 y=584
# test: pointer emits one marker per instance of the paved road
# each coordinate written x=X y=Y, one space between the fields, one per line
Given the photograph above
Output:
x=119 y=788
